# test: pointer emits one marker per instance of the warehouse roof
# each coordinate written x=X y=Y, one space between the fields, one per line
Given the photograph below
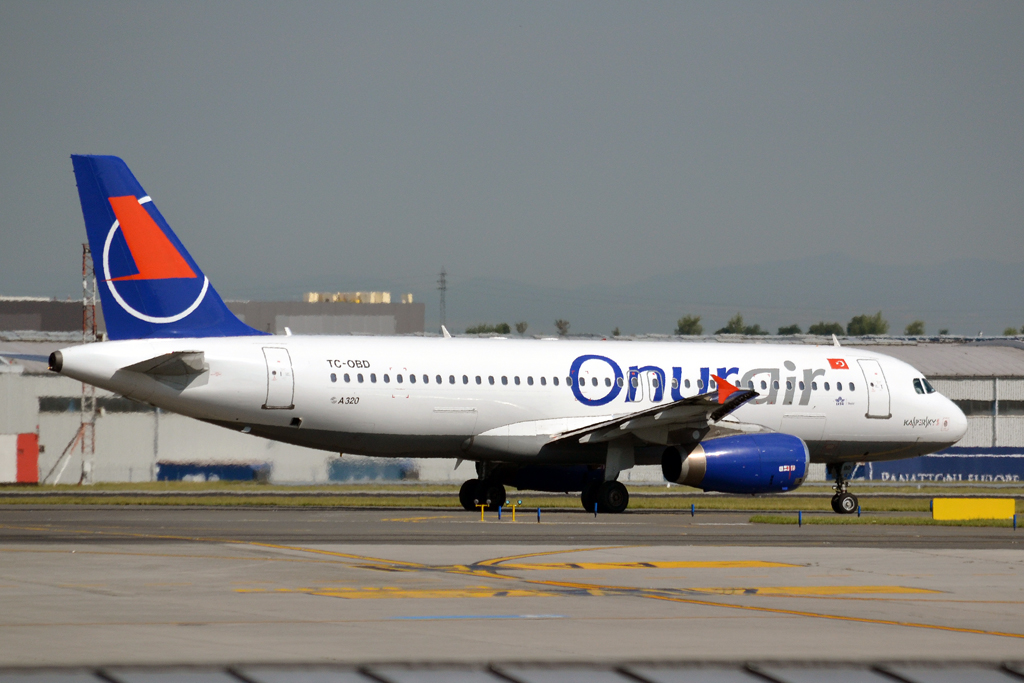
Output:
x=959 y=360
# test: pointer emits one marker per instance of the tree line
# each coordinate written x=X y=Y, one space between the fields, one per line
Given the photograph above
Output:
x=859 y=326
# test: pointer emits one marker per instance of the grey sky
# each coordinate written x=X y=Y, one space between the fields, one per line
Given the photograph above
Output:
x=299 y=145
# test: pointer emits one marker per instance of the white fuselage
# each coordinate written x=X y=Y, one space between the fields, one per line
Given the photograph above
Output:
x=502 y=399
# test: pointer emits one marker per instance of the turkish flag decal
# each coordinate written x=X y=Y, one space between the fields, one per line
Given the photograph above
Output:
x=838 y=364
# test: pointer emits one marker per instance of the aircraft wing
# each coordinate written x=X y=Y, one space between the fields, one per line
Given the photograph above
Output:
x=664 y=424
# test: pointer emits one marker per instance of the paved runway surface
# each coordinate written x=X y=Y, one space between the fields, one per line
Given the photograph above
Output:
x=125 y=586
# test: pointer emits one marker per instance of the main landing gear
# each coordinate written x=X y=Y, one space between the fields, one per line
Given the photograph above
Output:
x=609 y=496
x=843 y=502
x=476 y=492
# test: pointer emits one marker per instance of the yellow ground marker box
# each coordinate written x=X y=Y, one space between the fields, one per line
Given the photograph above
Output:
x=973 y=508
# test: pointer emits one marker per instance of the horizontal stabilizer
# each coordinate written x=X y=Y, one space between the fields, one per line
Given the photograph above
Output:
x=176 y=364
x=25 y=356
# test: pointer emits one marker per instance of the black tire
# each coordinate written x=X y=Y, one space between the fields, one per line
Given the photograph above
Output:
x=612 y=497
x=493 y=492
x=835 y=505
x=469 y=493
x=847 y=504
x=589 y=495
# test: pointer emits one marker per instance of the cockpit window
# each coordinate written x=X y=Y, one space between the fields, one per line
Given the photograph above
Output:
x=918 y=387
x=927 y=386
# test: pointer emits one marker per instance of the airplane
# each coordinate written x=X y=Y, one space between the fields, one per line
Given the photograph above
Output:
x=534 y=414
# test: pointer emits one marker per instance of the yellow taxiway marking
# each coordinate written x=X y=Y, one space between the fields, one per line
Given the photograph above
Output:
x=499 y=560
x=725 y=564
x=798 y=591
x=414 y=593
x=691 y=601
x=837 y=617
x=371 y=592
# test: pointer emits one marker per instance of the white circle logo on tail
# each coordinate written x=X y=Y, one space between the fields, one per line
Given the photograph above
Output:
x=117 y=296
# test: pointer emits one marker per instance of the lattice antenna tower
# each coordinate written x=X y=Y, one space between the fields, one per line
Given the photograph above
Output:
x=442 y=286
x=88 y=296
x=88 y=426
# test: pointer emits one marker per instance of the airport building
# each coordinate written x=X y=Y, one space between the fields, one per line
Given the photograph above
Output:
x=109 y=438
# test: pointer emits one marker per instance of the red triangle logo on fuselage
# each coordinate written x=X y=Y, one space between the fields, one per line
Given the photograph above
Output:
x=154 y=255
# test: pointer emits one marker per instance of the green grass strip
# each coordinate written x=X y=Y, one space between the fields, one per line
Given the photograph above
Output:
x=880 y=521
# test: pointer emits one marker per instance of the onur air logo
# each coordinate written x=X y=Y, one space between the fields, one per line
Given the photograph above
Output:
x=598 y=380
x=146 y=274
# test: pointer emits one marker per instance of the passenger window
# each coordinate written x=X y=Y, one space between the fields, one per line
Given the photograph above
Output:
x=412 y=379
x=386 y=379
x=851 y=387
x=713 y=385
x=516 y=380
x=700 y=384
x=593 y=380
x=583 y=381
x=927 y=386
x=529 y=380
x=399 y=378
x=426 y=379
x=839 y=386
x=750 y=384
x=504 y=380
x=543 y=381
x=621 y=382
x=373 y=378
x=451 y=379
x=814 y=386
x=347 y=378
x=686 y=383
x=334 y=378
x=490 y=379
x=801 y=386
x=764 y=385
x=826 y=386
x=675 y=383
x=478 y=380
x=607 y=381
x=554 y=380
x=465 y=379
x=789 y=385
x=634 y=382
x=654 y=382
x=568 y=381
x=359 y=378
x=775 y=385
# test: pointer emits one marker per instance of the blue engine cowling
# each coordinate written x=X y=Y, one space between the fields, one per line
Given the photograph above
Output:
x=747 y=463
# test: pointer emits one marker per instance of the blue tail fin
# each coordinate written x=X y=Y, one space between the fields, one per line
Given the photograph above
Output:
x=149 y=285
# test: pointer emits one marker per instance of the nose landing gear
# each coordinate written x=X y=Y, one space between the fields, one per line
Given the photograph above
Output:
x=843 y=502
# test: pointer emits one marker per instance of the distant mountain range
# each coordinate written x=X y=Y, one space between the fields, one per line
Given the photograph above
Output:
x=965 y=296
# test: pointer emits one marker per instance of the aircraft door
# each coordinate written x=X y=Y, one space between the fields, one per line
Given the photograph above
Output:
x=878 y=389
x=280 y=379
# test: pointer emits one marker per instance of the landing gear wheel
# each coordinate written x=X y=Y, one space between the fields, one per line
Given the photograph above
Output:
x=469 y=493
x=612 y=497
x=845 y=503
x=493 y=495
x=589 y=496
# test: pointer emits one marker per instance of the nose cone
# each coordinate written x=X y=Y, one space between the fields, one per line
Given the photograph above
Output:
x=957 y=422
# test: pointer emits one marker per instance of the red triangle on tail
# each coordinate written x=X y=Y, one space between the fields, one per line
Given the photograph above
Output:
x=155 y=256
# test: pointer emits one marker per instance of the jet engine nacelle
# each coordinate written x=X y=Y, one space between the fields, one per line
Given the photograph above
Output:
x=747 y=463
